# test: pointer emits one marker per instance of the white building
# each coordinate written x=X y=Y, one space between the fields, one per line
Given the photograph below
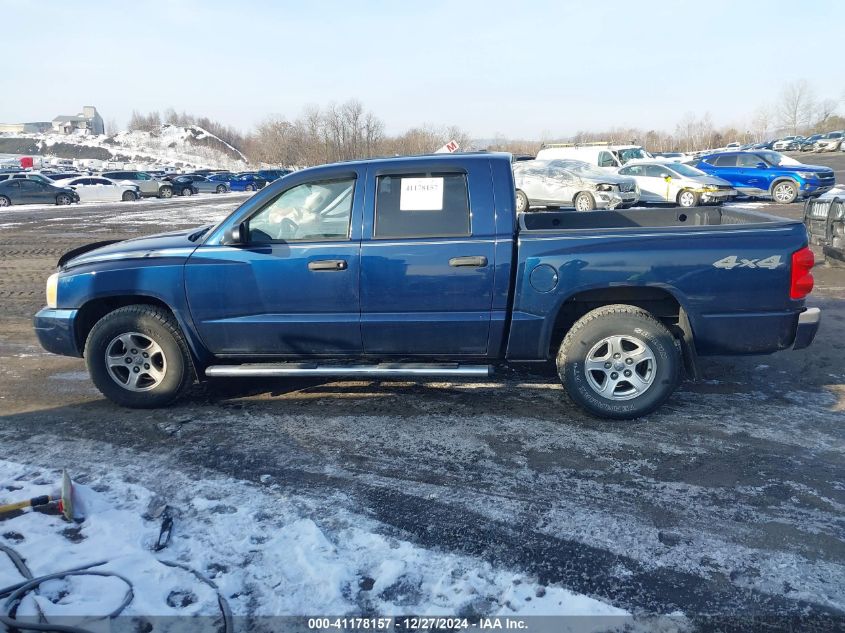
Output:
x=86 y=122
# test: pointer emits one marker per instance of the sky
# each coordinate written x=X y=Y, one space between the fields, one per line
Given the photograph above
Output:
x=519 y=69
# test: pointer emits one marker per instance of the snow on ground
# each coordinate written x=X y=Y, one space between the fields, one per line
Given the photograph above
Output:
x=269 y=552
x=169 y=144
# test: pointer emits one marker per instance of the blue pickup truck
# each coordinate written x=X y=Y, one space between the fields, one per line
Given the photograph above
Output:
x=420 y=266
x=770 y=174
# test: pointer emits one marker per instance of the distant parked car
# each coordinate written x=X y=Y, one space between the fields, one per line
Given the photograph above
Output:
x=240 y=182
x=809 y=143
x=27 y=191
x=768 y=173
x=763 y=145
x=98 y=189
x=787 y=143
x=273 y=174
x=204 y=185
x=182 y=185
x=663 y=181
x=253 y=181
x=149 y=186
x=830 y=142
x=571 y=183
x=674 y=156
x=28 y=175
x=59 y=176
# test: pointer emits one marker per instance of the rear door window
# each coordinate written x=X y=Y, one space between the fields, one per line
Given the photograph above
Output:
x=422 y=205
x=728 y=160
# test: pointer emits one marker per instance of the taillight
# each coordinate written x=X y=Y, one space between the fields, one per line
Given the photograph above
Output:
x=801 y=282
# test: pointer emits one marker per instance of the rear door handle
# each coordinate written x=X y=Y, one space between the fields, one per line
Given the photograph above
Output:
x=478 y=261
x=327 y=265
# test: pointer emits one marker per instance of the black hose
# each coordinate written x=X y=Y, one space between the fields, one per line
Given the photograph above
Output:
x=14 y=594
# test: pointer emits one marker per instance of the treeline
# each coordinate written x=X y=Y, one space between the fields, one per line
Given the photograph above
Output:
x=796 y=110
x=332 y=133
x=337 y=132
x=348 y=131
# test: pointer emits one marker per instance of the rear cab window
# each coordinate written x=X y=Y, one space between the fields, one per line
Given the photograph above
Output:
x=422 y=205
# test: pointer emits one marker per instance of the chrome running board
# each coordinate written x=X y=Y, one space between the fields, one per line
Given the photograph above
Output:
x=383 y=369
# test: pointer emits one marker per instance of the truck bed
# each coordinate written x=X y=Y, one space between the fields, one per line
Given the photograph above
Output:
x=643 y=218
x=727 y=269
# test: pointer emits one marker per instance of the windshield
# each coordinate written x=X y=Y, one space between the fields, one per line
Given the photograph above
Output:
x=632 y=153
x=775 y=158
x=685 y=170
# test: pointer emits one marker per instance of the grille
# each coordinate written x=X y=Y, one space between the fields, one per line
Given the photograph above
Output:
x=626 y=187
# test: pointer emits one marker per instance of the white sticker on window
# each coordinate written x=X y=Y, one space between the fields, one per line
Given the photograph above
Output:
x=421 y=194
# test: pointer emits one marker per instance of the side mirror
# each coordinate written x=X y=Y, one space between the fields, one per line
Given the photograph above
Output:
x=238 y=234
x=762 y=165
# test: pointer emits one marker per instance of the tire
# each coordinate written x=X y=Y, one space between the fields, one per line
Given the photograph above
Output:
x=687 y=199
x=63 y=199
x=522 y=203
x=165 y=192
x=221 y=189
x=127 y=196
x=632 y=333
x=584 y=201
x=249 y=188
x=5 y=202
x=161 y=377
x=785 y=192
x=187 y=191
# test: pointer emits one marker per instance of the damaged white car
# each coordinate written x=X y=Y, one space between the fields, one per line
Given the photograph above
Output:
x=677 y=183
x=571 y=183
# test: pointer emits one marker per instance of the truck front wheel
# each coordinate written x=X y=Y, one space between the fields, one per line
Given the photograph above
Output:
x=138 y=358
x=619 y=362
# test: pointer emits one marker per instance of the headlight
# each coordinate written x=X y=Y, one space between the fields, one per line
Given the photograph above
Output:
x=604 y=187
x=808 y=174
x=52 y=290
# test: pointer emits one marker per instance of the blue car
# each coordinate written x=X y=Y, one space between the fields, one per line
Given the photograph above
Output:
x=273 y=174
x=240 y=182
x=767 y=173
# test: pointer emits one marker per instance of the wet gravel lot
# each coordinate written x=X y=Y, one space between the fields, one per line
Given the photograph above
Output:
x=728 y=501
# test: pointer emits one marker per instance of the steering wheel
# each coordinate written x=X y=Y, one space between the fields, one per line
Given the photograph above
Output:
x=287 y=229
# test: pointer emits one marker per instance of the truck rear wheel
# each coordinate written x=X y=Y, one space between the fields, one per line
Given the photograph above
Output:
x=138 y=358
x=619 y=362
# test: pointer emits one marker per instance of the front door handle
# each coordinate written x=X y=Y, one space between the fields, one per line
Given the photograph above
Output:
x=327 y=265
x=478 y=261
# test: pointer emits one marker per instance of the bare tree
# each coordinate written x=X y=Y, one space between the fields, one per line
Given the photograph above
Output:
x=825 y=109
x=795 y=109
x=761 y=123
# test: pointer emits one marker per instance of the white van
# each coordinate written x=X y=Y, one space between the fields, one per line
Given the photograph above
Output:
x=598 y=154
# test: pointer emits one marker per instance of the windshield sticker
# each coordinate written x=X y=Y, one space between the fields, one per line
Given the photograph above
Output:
x=421 y=194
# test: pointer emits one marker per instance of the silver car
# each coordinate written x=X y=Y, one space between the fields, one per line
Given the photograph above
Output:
x=676 y=183
x=571 y=183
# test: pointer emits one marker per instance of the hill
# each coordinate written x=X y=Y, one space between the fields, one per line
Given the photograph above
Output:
x=176 y=145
